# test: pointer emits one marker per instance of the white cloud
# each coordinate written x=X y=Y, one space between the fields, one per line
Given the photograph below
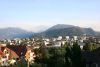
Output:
x=37 y=26
x=95 y=24
x=28 y=25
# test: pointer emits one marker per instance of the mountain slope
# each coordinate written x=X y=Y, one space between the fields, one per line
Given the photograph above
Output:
x=60 y=26
x=67 y=30
x=10 y=33
x=89 y=31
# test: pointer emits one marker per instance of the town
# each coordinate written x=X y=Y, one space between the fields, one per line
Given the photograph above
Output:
x=23 y=52
x=49 y=33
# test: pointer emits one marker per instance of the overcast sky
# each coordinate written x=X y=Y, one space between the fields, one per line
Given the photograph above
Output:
x=38 y=15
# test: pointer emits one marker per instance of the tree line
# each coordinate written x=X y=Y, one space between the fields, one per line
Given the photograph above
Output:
x=64 y=56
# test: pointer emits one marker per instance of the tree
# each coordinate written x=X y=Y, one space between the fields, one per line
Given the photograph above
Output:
x=65 y=56
x=50 y=57
x=90 y=46
x=76 y=56
x=57 y=57
x=73 y=56
x=68 y=56
x=42 y=56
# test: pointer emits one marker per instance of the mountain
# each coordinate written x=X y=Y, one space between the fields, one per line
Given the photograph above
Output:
x=60 y=26
x=67 y=30
x=54 y=31
x=10 y=33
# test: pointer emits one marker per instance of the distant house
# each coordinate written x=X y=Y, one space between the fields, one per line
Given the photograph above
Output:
x=59 y=38
x=75 y=38
x=81 y=44
x=46 y=42
x=67 y=38
x=57 y=44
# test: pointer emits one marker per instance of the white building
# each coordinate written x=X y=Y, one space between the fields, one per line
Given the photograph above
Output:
x=75 y=37
x=57 y=44
x=46 y=43
x=54 y=39
x=81 y=44
x=67 y=37
x=32 y=56
x=59 y=38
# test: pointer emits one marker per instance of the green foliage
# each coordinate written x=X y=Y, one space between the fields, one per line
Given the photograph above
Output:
x=58 y=57
x=68 y=30
x=65 y=56
x=68 y=56
x=36 y=65
x=73 y=56
x=76 y=56
x=90 y=46
x=50 y=57
x=63 y=32
x=42 y=55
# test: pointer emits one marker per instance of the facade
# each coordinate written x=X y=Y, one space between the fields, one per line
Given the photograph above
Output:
x=13 y=52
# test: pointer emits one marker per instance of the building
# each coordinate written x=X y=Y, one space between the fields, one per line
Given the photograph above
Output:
x=59 y=38
x=22 y=52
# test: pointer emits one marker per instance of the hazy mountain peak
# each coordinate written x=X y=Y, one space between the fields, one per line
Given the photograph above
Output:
x=60 y=26
x=10 y=33
x=67 y=30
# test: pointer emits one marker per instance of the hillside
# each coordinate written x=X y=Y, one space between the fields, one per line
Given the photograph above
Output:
x=54 y=31
x=67 y=30
x=10 y=33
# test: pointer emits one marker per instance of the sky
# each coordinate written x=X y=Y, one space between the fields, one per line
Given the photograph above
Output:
x=38 y=15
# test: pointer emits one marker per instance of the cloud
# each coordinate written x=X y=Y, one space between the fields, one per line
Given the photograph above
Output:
x=38 y=26
x=35 y=26
x=95 y=24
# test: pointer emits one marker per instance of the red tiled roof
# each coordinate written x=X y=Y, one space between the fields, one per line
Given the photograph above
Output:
x=18 y=49
x=2 y=48
x=1 y=53
x=13 y=54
